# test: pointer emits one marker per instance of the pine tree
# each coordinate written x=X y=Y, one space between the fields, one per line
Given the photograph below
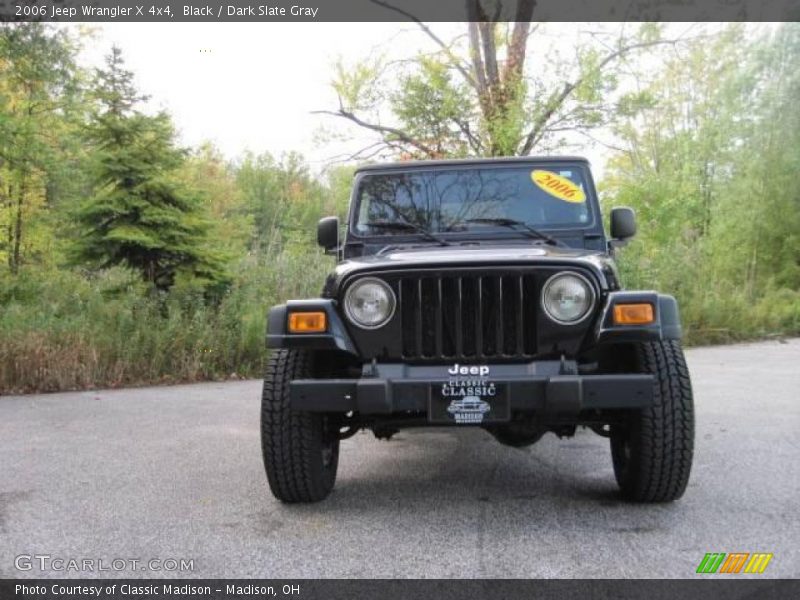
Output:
x=140 y=216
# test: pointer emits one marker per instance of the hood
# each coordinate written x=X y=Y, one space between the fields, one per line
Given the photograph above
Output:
x=465 y=255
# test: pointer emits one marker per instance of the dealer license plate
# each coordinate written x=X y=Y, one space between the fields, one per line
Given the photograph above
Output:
x=468 y=404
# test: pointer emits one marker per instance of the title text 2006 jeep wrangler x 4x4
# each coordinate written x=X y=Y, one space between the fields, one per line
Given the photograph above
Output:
x=477 y=293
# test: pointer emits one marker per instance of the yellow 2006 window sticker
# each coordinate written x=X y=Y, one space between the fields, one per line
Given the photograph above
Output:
x=558 y=186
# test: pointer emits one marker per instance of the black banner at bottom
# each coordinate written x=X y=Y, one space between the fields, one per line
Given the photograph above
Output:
x=400 y=589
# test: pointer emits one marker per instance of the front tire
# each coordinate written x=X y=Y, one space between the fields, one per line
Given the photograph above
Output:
x=300 y=449
x=653 y=451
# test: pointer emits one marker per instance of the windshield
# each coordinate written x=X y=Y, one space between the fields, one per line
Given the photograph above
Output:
x=470 y=199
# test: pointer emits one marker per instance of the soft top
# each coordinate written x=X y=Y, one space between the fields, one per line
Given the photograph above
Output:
x=466 y=162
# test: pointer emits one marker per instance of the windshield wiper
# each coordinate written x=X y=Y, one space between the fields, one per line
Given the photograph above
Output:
x=406 y=226
x=519 y=226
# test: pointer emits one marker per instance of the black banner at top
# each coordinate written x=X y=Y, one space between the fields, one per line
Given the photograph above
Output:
x=396 y=10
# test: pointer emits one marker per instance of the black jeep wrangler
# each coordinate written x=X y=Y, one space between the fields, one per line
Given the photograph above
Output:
x=477 y=293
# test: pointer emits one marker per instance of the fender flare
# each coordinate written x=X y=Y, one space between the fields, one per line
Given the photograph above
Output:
x=666 y=325
x=335 y=338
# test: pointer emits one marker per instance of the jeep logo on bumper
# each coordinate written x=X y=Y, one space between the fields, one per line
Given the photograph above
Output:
x=480 y=370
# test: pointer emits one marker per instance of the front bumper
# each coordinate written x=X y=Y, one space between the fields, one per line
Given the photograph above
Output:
x=540 y=387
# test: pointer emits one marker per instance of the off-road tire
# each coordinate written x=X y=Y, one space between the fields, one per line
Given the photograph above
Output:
x=652 y=453
x=301 y=449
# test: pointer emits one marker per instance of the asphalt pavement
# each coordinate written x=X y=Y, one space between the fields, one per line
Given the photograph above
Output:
x=171 y=473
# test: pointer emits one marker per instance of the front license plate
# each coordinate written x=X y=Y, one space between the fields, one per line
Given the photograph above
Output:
x=468 y=405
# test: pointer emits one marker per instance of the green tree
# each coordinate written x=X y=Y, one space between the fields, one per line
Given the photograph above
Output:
x=141 y=216
x=214 y=179
x=485 y=94
x=709 y=164
x=758 y=207
x=39 y=92
x=281 y=196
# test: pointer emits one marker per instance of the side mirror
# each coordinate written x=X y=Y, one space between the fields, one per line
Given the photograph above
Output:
x=623 y=223
x=328 y=232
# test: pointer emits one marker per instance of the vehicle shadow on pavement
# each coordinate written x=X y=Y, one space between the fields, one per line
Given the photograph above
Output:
x=433 y=471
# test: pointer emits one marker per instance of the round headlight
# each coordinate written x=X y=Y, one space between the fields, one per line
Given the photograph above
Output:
x=369 y=303
x=567 y=298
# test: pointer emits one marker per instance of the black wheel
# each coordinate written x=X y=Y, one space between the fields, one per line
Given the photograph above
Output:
x=301 y=449
x=652 y=452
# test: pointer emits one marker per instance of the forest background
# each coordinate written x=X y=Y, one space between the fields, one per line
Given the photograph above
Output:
x=127 y=259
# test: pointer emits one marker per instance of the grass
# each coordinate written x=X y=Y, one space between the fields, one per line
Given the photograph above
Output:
x=66 y=330
x=715 y=307
x=63 y=331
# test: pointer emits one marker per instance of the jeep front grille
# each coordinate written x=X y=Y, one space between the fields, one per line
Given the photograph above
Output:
x=468 y=315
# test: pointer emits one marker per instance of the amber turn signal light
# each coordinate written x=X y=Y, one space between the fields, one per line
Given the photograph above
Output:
x=633 y=314
x=307 y=322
